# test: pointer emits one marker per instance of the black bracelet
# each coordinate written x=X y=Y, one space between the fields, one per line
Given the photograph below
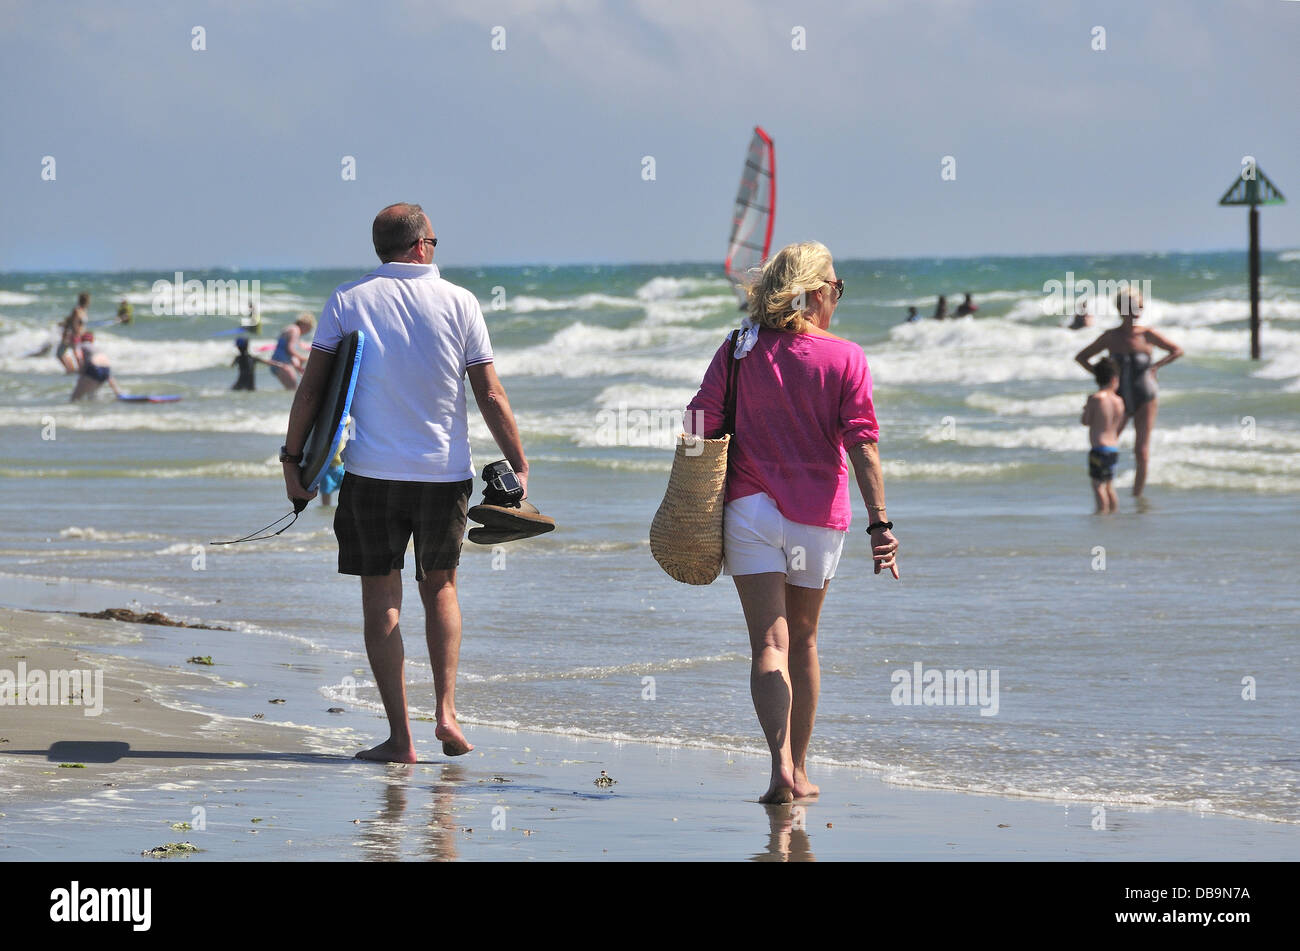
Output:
x=887 y=526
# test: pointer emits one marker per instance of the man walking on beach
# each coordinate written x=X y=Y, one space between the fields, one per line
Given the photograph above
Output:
x=408 y=464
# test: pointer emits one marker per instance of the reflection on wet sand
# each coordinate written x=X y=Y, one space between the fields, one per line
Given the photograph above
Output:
x=787 y=838
x=382 y=835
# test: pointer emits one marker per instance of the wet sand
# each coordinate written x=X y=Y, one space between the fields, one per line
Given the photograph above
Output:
x=270 y=790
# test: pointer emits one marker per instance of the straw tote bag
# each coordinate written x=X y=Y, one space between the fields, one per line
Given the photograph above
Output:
x=686 y=533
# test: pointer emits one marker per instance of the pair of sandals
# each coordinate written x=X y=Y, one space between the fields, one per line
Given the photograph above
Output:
x=504 y=520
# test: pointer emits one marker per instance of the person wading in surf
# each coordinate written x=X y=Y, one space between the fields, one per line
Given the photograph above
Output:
x=1131 y=346
x=803 y=397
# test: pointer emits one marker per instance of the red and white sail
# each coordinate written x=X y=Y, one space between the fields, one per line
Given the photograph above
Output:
x=751 y=223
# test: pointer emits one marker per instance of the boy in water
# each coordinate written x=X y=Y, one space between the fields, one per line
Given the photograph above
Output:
x=1103 y=414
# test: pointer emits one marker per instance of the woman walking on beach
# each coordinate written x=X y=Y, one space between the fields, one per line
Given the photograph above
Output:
x=803 y=396
x=1131 y=346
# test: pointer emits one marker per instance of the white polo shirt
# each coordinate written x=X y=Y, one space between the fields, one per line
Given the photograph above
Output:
x=409 y=406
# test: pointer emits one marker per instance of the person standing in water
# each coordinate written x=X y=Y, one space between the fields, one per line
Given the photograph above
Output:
x=247 y=365
x=967 y=307
x=70 y=331
x=289 y=359
x=1131 y=346
x=1103 y=414
x=125 y=312
x=803 y=397
x=941 y=309
x=253 y=322
x=1081 y=316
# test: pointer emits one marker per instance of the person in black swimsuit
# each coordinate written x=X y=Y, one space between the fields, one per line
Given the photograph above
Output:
x=1137 y=384
x=1131 y=347
x=246 y=363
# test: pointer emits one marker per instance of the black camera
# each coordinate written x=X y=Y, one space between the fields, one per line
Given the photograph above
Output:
x=503 y=486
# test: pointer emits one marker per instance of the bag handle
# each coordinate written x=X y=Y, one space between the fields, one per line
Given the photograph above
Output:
x=729 y=399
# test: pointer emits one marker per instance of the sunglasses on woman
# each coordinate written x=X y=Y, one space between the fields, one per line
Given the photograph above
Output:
x=838 y=284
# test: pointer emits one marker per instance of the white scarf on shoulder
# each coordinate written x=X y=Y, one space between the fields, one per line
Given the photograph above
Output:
x=748 y=337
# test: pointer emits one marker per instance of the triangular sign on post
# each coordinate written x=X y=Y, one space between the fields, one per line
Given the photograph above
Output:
x=1253 y=191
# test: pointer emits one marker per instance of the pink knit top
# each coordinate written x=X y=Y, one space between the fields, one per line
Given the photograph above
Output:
x=801 y=400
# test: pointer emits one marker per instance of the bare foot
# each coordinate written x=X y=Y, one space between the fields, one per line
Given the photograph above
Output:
x=453 y=741
x=803 y=787
x=777 y=794
x=781 y=789
x=389 y=751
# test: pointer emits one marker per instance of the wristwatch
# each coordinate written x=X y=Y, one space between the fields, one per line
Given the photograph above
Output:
x=887 y=526
x=286 y=456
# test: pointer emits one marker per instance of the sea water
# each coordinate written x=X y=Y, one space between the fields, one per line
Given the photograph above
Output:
x=1148 y=657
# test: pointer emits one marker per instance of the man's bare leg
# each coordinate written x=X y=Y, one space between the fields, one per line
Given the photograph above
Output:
x=1099 y=495
x=381 y=604
x=442 y=631
x=803 y=610
x=1111 y=497
x=763 y=598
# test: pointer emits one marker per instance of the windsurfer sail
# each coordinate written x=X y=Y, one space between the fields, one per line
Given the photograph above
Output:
x=751 y=223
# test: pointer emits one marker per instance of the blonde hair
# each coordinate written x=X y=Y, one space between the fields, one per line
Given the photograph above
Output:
x=1128 y=301
x=306 y=321
x=778 y=297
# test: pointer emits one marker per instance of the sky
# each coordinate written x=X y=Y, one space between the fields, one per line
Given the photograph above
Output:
x=168 y=157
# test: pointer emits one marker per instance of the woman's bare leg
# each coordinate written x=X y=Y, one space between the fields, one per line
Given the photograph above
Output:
x=763 y=598
x=803 y=610
x=1144 y=421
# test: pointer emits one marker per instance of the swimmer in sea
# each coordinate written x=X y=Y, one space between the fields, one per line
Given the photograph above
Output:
x=1131 y=347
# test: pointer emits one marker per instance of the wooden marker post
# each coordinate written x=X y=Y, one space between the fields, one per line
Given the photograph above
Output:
x=1254 y=189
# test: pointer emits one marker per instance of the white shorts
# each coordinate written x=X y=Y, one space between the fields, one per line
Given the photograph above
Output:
x=757 y=538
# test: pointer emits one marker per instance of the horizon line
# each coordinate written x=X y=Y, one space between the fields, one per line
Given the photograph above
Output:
x=646 y=263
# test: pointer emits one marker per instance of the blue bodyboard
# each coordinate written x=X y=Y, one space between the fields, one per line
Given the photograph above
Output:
x=336 y=403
